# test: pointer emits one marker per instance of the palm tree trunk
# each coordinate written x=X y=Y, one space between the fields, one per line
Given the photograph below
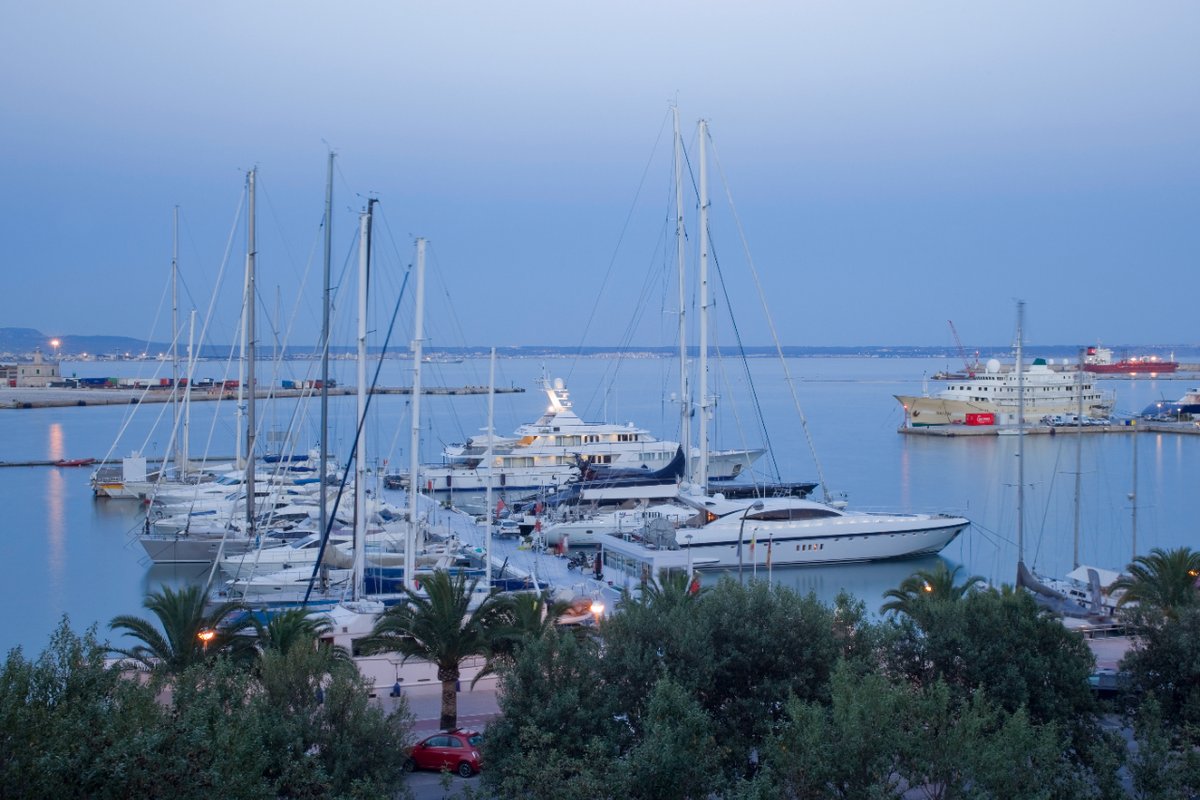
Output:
x=449 y=679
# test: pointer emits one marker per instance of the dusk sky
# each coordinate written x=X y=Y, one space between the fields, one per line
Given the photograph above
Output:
x=893 y=165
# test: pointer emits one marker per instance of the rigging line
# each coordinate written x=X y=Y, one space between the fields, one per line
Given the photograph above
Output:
x=755 y=401
x=354 y=447
x=771 y=325
x=616 y=249
x=1046 y=506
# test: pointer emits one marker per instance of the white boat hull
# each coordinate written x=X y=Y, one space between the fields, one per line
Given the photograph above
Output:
x=880 y=538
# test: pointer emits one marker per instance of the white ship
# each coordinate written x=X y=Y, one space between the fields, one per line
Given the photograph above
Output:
x=542 y=456
x=991 y=397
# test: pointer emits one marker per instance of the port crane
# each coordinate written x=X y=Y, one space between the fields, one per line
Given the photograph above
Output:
x=970 y=368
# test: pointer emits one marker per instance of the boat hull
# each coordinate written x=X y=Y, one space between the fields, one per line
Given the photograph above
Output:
x=187 y=548
x=801 y=545
x=929 y=411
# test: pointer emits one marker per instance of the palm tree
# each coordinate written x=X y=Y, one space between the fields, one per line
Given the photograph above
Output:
x=296 y=627
x=529 y=617
x=188 y=636
x=1164 y=579
x=673 y=588
x=928 y=584
x=439 y=626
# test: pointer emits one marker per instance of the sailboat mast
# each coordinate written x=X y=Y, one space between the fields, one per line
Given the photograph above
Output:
x=179 y=464
x=187 y=396
x=685 y=405
x=702 y=366
x=251 y=344
x=491 y=467
x=360 y=461
x=323 y=501
x=1020 y=367
x=1078 y=450
x=414 y=462
x=1133 y=495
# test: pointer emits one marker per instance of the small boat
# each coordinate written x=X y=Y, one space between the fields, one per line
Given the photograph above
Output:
x=1100 y=360
x=74 y=462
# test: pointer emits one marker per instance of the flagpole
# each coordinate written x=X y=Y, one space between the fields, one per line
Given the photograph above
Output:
x=770 y=542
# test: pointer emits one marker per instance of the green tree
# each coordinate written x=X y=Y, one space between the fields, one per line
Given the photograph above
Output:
x=677 y=755
x=1164 y=580
x=1164 y=664
x=738 y=650
x=928 y=585
x=182 y=618
x=71 y=727
x=849 y=748
x=440 y=626
x=561 y=728
x=528 y=617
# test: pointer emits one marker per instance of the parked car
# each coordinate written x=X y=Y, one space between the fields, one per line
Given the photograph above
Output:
x=456 y=750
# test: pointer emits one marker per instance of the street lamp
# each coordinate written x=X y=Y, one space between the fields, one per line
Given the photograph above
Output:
x=206 y=636
x=597 y=609
x=689 y=547
x=757 y=505
x=55 y=343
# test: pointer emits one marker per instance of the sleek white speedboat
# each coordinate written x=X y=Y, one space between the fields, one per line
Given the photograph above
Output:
x=795 y=532
x=544 y=455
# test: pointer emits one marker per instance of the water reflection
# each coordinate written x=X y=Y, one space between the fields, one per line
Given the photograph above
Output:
x=55 y=447
x=56 y=533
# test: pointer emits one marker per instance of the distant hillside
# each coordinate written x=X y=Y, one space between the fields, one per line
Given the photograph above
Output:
x=26 y=340
x=22 y=341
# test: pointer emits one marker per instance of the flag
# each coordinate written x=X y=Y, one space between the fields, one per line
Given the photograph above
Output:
x=752 y=538
x=499 y=505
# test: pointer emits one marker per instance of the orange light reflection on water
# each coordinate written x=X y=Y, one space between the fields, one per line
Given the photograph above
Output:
x=56 y=531
x=56 y=440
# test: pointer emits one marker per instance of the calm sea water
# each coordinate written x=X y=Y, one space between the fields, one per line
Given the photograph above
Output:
x=68 y=553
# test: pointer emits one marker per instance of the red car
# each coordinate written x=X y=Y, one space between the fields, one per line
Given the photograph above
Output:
x=456 y=750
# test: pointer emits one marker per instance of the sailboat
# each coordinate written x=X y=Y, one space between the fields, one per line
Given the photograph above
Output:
x=1067 y=598
x=799 y=531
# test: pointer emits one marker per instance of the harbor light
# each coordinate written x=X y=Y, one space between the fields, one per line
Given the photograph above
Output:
x=55 y=343
x=597 y=610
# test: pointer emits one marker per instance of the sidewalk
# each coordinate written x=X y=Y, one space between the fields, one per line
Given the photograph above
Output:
x=476 y=707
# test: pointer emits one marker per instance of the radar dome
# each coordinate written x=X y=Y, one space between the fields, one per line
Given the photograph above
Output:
x=558 y=384
x=993 y=366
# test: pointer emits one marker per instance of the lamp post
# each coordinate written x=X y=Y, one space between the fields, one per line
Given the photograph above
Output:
x=689 y=547
x=757 y=505
x=54 y=343
x=206 y=636
x=597 y=610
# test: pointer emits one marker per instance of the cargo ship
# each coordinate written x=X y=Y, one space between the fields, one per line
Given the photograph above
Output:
x=1100 y=361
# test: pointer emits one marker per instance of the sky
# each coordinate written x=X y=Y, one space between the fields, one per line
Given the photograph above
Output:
x=891 y=166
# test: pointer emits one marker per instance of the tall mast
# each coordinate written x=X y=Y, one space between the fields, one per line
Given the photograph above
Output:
x=179 y=462
x=323 y=501
x=685 y=405
x=1020 y=435
x=187 y=397
x=702 y=367
x=1133 y=494
x=360 y=461
x=1078 y=450
x=251 y=343
x=414 y=444
x=491 y=468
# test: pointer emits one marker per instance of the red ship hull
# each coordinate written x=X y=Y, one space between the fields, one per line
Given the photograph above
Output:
x=1134 y=367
